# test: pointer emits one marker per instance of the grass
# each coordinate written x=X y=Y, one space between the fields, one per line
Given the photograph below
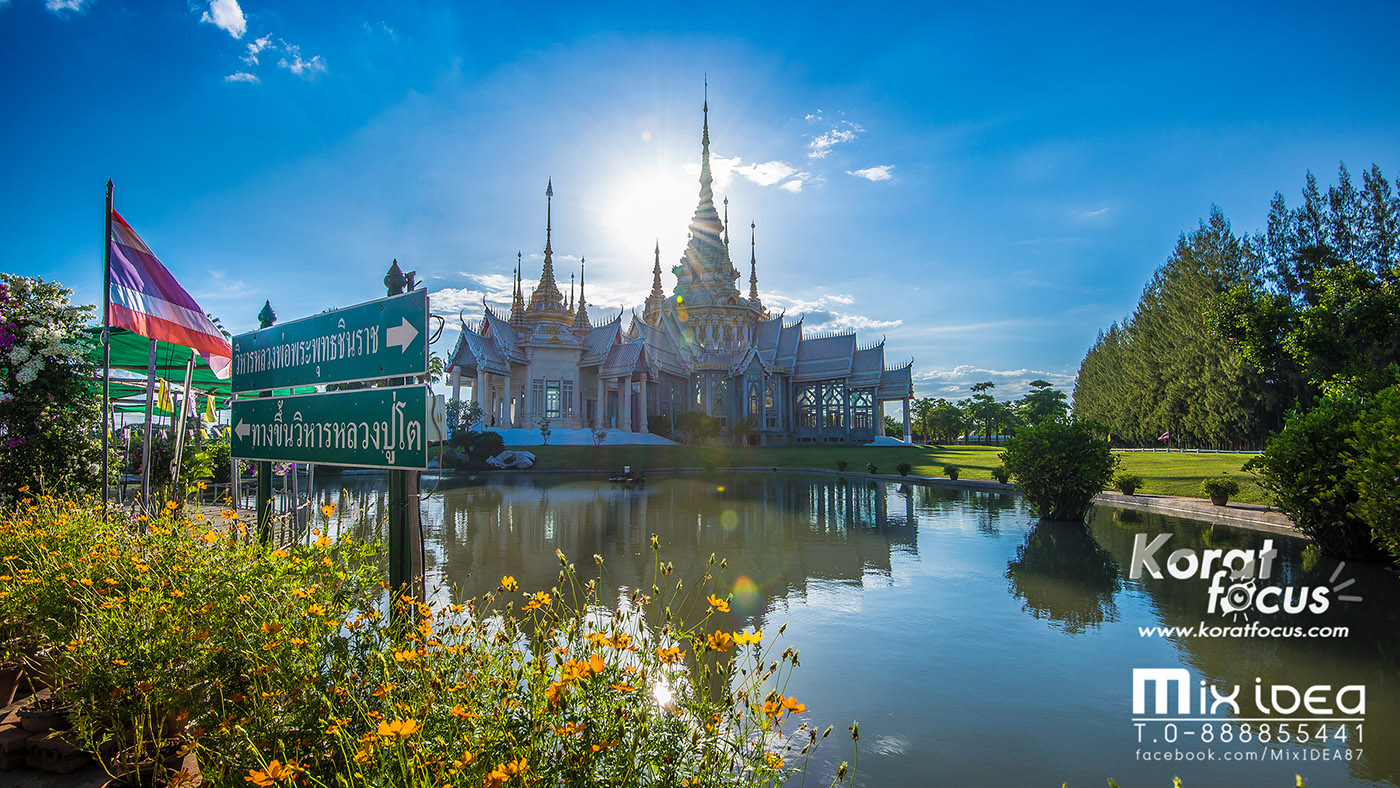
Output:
x=1164 y=474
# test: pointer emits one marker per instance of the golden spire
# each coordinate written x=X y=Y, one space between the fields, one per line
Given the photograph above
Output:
x=581 y=322
x=517 y=301
x=753 y=267
x=651 y=310
x=546 y=297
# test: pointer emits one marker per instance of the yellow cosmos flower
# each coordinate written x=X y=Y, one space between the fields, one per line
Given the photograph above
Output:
x=210 y=536
x=276 y=773
x=669 y=655
x=745 y=638
x=509 y=584
x=718 y=604
x=720 y=641
x=398 y=729
x=328 y=509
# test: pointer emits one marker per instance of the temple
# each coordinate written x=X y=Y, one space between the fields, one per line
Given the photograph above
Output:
x=707 y=347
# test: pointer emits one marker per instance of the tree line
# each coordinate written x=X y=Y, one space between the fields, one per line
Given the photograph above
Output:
x=940 y=420
x=1291 y=337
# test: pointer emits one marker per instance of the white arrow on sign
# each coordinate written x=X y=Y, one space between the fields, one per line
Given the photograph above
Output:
x=242 y=430
x=401 y=335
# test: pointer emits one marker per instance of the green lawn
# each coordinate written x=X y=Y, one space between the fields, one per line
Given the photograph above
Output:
x=1169 y=474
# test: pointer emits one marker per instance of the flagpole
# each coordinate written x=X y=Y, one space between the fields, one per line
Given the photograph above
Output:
x=146 y=436
x=106 y=345
x=184 y=414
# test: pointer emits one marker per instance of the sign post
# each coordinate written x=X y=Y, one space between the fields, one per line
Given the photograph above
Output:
x=384 y=426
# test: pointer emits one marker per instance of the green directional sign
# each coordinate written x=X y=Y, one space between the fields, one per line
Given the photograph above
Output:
x=380 y=339
x=370 y=428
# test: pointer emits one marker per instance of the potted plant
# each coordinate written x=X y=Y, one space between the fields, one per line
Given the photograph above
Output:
x=951 y=471
x=1219 y=490
x=1127 y=483
x=841 y=465
x=871 y=467
x=904 y=468
x=1001 y=474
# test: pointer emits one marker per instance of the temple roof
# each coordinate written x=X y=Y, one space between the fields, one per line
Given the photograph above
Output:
x=476 y=352
x=866 y=366
x=624 y=359
x=788 y=339
x=825 y=357
x=599 y=340
x=896 y=383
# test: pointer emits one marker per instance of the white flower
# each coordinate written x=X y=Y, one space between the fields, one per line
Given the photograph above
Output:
x=26 y=375
x=20 y=354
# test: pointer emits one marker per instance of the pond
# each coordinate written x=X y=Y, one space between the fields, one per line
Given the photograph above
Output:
x=975 y=645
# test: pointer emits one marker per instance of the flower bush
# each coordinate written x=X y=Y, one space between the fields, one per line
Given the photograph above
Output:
x=50 y=413
x=284 y=666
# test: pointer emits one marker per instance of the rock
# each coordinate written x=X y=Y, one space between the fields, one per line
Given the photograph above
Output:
x=519 y=460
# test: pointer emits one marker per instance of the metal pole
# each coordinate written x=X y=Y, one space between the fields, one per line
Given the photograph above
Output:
x=264 y=494
x=184 y=414
x=146 y=435
x=405 y=524
x=106 y=346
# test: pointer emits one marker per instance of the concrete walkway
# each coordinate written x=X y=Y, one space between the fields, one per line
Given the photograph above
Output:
x=1241 y=515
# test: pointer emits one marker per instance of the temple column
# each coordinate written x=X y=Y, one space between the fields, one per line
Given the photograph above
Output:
x=507 y=418
x=908 y=435
x=479 y=392
x=642 y=384
x=600 y=412
x=456 y=384
x=624 y=403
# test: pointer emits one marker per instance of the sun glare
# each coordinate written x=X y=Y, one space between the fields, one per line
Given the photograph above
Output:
x=652 y=205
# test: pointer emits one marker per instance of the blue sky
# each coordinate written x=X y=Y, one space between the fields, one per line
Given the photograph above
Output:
x=986 y=187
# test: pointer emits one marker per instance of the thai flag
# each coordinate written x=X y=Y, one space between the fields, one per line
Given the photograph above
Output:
x=1164 y=435
x=147 y=299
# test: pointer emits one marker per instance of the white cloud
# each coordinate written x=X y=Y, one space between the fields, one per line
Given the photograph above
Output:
x=242 y=76
x=823 y=313
x=764 y=173
x=302 y=68
x=64 y=6
x=844 y=131
x=880 y=173
x=1097 y=212
x=227 y=16
x=255 y=48
x=449 y=301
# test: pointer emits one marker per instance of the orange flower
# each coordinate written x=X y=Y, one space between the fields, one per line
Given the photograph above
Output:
x=623 y=687
x=210 y=536
x=718 y=604
x=516 y=767
x=460 y=712
x=669 y=655
x=497 y=777
x=720 y=641
x=328 y=509
x=276 y=773
x=398 y=729
x=793 y=706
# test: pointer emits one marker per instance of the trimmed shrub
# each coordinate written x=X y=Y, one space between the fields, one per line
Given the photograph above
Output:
x=1222 y=488
x=1060 y=466
x=842 y=465
x=904 y=468
x=1307 y=467
x=871 y=467
x=951 y=471
x=1127 y=483
x=1001 y=474
x=486 y=444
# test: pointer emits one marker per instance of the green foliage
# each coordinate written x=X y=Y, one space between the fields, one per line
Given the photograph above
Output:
x=216 y=454
x=938 y=420
x=1165 y=368
x=174 y=631
x=463 y=416
x=1307 y=467
x=1376 y=468
x=894 y=428
x=1001 y=474
x=701 y=426
x=1324 y=303
x=871 y=467
x=951 y=471
x=1042 y=403
x=50 y=413
x=543 y=424
x=1221 y=487
x=1060 y=466
x=841 y=465
x=1129 y=483
x=904 y=468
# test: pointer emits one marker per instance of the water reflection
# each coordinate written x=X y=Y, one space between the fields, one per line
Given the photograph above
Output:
x=1063 y=575
x=946 y=620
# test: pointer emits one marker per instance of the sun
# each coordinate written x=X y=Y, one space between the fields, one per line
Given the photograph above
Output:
x=650 y=205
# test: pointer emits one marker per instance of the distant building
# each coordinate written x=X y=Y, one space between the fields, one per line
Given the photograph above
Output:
x=707 y=347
